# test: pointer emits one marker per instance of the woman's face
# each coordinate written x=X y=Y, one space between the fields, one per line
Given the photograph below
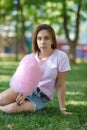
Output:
x=44 y=40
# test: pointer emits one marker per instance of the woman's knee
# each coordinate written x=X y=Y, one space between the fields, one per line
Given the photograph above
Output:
x=1 y=100
x=8 y=96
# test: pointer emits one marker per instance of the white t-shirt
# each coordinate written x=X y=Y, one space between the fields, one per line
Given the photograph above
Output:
x=57 y=62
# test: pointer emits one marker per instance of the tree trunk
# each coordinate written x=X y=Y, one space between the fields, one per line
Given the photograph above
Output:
x=24 y=45
x=72 y=53
x=72 y=43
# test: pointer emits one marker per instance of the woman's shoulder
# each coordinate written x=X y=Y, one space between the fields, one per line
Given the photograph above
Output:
x=62 y=61
x=59 y=53
x=60 y=56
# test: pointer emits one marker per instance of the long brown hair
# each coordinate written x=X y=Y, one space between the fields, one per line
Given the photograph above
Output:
x=34 y=37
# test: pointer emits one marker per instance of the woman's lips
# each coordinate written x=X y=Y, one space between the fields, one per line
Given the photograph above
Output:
x=43 y=46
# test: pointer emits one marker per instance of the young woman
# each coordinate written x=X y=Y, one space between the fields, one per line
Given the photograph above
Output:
x=55 y=65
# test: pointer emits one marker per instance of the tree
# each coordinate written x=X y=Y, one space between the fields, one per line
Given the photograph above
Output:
x=60 y=14
x=23 y=29
x=72 y=42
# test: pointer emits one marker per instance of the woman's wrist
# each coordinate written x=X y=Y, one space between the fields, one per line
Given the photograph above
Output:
x=62 y=109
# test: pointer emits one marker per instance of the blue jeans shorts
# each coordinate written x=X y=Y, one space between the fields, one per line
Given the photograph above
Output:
x=38 y=100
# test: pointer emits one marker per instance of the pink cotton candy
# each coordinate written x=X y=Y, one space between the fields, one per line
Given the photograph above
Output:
x=27 y=75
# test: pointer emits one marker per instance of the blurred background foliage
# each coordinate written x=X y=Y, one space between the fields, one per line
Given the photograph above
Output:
x=18 y=18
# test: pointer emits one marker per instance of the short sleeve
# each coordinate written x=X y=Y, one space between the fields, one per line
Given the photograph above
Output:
x=63 y=63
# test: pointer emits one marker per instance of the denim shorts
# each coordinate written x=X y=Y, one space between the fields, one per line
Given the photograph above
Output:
x=38 y=100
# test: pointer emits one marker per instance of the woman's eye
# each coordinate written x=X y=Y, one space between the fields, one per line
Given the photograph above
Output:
x=46 y=38
x=38 y=38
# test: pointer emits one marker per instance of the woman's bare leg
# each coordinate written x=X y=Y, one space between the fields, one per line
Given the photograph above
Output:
x=14 y=107
x=8 y=96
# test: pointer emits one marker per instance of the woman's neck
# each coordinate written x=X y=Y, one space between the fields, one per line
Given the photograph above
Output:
x=45 y=55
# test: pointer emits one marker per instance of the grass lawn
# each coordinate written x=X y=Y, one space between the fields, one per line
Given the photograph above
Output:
x=50 y=117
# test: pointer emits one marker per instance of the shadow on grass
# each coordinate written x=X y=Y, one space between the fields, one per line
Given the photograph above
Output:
x=50 y=117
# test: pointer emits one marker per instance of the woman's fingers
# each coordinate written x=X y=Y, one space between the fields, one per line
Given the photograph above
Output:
x=20 y=99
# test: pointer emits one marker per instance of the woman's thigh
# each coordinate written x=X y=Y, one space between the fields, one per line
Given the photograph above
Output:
x=7 y=96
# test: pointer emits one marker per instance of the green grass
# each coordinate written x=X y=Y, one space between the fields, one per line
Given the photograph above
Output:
x=50 y=118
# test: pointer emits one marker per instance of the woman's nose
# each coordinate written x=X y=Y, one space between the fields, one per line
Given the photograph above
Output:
x=43 y=40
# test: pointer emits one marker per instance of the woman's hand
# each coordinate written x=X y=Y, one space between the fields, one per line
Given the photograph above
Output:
x=20 y=99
